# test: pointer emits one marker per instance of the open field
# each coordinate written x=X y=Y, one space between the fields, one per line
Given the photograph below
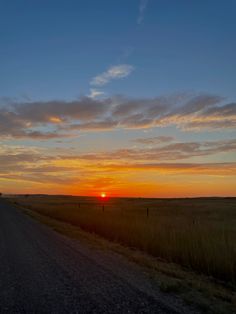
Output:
x=196 y=233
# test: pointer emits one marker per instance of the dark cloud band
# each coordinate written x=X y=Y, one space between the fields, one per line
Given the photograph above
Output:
x=55 y=119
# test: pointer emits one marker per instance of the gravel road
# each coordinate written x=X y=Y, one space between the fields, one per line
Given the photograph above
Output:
x=42 y=271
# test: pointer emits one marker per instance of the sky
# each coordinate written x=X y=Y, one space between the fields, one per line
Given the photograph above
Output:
x=130 y=98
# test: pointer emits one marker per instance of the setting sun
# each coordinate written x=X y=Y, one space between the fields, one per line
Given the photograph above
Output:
x=103 y=195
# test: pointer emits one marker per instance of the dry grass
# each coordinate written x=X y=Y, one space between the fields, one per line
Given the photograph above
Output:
x=196 y=233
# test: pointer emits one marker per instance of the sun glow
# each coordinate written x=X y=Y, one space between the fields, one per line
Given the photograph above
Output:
x=103 y=195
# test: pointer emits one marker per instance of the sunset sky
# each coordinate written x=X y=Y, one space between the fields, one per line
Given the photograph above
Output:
x=128 y=97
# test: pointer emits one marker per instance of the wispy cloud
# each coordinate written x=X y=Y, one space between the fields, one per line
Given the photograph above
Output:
x=175 y=151
x=94 y=93
x=142 y=8
x=154 y=140
x=113 y=73
x=214 y=169
x=43 y=166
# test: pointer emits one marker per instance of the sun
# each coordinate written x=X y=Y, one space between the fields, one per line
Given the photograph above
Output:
x=103 y=195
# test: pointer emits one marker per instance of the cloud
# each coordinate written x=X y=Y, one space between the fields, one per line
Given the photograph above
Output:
x=142 y=8
x=174 y=151
x=45 y=120
x=34 y=119
x=84 y=108
x=113 y=73
x=216 y=169
x=215 y=117
x=19 y=163
x=109 y=168
x=154 y=140
x=94 y=93
x=107 y=124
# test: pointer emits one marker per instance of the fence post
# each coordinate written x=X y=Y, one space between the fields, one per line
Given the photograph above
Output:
x=147 y=212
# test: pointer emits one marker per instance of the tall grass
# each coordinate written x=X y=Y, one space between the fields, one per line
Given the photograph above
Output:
x=197 y=233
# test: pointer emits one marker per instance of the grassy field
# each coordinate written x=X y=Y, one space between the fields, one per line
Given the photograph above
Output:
x=199 y=234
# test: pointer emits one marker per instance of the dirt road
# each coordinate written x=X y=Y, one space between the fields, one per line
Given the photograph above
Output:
x=44 y=272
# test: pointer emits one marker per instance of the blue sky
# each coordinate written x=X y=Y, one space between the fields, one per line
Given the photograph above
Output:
x=103 y=95
x=52 y=49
